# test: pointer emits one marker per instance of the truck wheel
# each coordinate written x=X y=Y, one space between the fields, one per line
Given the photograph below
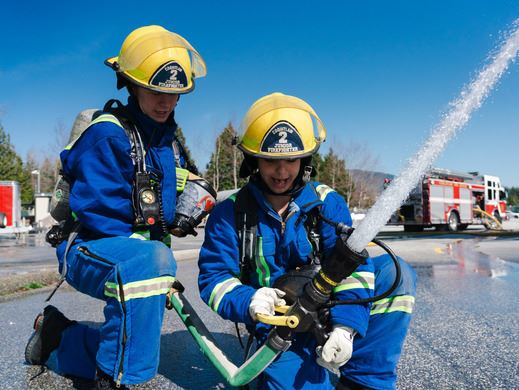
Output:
x=498 y=217
x=3 y=220
x=453 y=223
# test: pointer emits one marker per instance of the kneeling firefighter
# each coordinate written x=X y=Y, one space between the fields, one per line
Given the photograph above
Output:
x=257 y=239
x=111 y=241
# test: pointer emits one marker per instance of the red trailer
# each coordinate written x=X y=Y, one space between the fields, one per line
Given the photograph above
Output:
x=10 y=202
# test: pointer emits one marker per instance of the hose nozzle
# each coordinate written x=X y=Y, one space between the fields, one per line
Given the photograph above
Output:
x=341 y=263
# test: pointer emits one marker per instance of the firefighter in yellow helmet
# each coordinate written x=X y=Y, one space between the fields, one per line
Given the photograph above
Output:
x=273 y=229
x=281 y=127
x=111 y=244
x=154 y=58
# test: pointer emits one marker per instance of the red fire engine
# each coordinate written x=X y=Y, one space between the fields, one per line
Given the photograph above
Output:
x=453 y=200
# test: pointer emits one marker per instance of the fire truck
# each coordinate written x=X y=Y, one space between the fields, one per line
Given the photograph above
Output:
x=450 y=200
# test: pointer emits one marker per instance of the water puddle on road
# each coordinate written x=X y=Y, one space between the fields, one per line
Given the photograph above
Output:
x=23 y=240
x=471 y=262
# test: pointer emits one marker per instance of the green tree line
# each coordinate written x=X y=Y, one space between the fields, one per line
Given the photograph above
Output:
x=513 y=196
x=222 y=170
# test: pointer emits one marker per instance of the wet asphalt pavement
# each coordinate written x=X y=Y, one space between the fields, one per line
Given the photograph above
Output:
x=464 y=333
x=465 y=329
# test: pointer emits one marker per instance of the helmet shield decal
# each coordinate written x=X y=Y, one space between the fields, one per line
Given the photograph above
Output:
x=282 y=138
x=170 y=75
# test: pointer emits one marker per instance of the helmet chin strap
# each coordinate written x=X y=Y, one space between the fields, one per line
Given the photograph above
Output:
x=299 y=183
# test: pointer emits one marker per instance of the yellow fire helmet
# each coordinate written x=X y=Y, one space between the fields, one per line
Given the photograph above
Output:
x=279 y=126
x=155 y=58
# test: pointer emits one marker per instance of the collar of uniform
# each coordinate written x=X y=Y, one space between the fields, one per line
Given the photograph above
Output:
x=152 y=133
x=261 y=200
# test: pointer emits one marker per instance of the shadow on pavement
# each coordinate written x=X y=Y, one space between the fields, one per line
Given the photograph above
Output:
x=182 y=362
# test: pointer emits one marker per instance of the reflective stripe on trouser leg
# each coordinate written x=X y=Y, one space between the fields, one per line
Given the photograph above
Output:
x=140 y=268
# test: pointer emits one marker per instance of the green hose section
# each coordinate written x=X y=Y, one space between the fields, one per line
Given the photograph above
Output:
x=235 y=376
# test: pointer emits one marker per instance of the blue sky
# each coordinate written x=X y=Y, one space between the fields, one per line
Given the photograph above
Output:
x=378 y=73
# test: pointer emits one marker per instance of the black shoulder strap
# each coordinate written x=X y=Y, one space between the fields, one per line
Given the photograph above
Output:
x=246 y=221
x=313 y=217
x=312 y=232
x=128 y=123
x=142 y=180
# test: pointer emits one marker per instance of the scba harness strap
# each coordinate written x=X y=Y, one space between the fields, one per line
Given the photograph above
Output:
x=246 y=221
x=146 y=192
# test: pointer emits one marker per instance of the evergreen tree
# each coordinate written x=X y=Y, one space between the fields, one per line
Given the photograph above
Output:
x=332 y=172
x=11 y=167
x=223 y=168
x=10 y=163
x=317 y=162
x=27 y=190
x=513 y=196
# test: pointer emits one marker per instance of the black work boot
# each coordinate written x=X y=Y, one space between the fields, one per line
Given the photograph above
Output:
x=106 y=382
x=48 y=328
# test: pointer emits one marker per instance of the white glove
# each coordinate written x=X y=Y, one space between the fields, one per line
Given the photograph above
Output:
x=337 y=349
x=264 y=300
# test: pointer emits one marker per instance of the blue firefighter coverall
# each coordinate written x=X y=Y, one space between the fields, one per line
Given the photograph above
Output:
x=109 y=260
x=375 y=356
x=281 y=247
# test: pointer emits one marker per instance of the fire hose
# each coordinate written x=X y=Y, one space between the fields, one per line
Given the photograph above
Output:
x=302 y=316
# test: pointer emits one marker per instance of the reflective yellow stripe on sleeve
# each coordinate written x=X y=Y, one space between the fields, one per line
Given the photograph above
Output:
x=220 y=290
x=141 y=289
x=403 y=303
x=106 y=118
x=364 y=280
x=323 y=190
x=142 y=235
x=100 y=118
